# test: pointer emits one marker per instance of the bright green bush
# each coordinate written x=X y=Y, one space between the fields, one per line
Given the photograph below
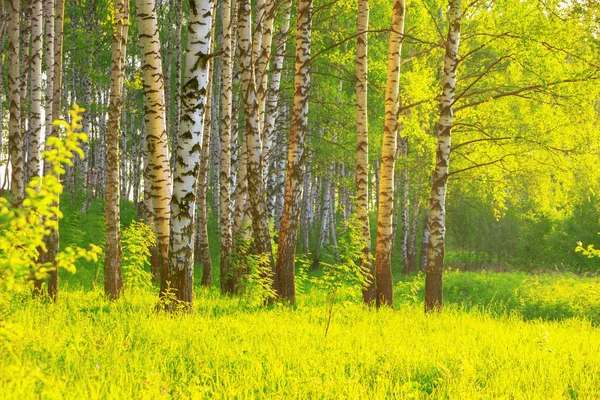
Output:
x=137 y=239
x=22 y=229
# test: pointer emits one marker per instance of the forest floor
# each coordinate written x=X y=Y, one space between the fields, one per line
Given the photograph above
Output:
x=501 y=335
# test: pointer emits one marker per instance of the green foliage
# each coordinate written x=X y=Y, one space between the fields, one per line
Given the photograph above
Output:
x=22 y=230
x=345 y=275
x=137 y=239
x=256 y=277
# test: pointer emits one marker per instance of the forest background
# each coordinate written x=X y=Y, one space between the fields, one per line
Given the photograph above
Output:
x=268 y=153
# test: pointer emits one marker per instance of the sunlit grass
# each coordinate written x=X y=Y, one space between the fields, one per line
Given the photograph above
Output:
x=87 y=347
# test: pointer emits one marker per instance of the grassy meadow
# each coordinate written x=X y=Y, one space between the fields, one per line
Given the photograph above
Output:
x=502 y=335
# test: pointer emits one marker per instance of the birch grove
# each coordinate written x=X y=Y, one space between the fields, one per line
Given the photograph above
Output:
x=215 y=148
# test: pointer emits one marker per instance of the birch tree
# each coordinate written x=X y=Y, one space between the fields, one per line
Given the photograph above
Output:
x=288 y=230
x=3 y=29
x=113 y=276
x=256 y=188
x=188 y=150
x=51 y=240
x=15 y=139
x=157 y=175
x=437 y=204
x=36 y=88
x=362 y=146
x=383 y=247
x=225 y=164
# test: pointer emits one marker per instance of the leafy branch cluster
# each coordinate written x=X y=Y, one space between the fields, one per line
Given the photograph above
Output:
x=22 y=230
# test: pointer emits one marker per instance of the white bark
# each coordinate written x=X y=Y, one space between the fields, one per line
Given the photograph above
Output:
x=188 y=151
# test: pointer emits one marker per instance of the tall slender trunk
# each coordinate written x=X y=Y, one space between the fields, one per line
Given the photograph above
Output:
x=123 y=148
x=203 y=250
x=405 y=202
x=437 y=205
x=215 y=143
x=51 y=240
x=424 y=243
x=113 y=276
x=25 y=37
x=226 y=119
x=85 y=164
x=3 y=26
x=412 y=235
x=37 y=33
x=157 y=174
x=15 y=139
x=264 y=21
x=272 y=106
x=304 y=215
x=188 y=151
x=167 y=64
x=383 y=248
x=325 y=230
x=175 y=116
x=288 y=230
x=362 y=149
x=256 y=188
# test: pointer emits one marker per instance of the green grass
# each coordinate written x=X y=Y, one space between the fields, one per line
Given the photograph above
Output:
x=549 y=296
x=87 y=347
x=501 y=335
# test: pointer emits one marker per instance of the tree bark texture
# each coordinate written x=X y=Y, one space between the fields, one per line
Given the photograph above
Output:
x=288 y=230
x=188 y=150
x=437 y=204
x=256 y=187
x=15 y=137
x=157 y=177
x=362 y=149
x=225 y=172
x=383 y=248
x=113 y=275
x=37 y=24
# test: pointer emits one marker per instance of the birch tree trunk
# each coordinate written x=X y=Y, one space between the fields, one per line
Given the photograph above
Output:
x=272 y=106
x=167 y=65
x=37 y=19
x=362 y=148
x=437 y=205
x=404 y=203
x=256 y=188
x=203 y=250
x=3 y=26
x=157 y=176
x=113 y=277
x=188 y=151
x=288 y=230
x=175 y=117
x=383 y=248
x=15 y=138
x=225 y=172
x=325 y=230
x=51 y=240
x=424 y=243
x=412 y=235
x=25 y=38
